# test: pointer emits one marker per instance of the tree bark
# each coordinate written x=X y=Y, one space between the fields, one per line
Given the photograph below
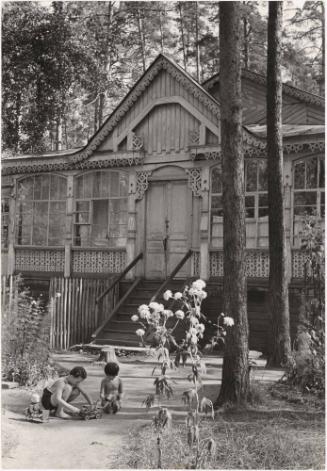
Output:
x=235 y=378
x=142 y=40
x=197 y=45
x=179 y=4
x=280 y=348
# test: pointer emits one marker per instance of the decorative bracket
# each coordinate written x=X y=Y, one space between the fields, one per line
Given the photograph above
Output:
x=142 y=183
x=194 y=180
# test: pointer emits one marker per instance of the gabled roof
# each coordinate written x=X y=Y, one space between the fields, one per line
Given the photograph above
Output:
x=161 y=62
x=289 y=90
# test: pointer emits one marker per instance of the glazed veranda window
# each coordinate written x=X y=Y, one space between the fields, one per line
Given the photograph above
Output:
x=100 y=218
x=41 y=210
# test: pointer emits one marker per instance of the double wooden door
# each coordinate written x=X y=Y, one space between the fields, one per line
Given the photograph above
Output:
x=168 y=228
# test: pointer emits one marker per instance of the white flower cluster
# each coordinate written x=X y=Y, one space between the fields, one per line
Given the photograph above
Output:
x=156 y=315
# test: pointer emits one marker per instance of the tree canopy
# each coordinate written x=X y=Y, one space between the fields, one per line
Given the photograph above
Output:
x=66 y=65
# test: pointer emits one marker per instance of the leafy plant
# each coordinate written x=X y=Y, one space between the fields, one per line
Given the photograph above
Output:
x=25 y=338
x=154 y=316
x=308 y=372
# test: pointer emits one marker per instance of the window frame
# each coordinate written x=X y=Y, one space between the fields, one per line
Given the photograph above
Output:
x=319 y=191
x=90 y=200
x=253 y=193
x=33 y=202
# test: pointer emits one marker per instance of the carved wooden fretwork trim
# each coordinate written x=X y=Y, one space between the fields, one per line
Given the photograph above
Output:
x=255 y=150
x=98 y=261
x=257 y=263
x=46 y=260
x=194 y=136
x=161 y=63
x=194 y=180
x=142 y=183
x=126 y=160
x=137 y=142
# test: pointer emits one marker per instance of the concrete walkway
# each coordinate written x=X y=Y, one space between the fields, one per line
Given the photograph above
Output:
x=68 y=444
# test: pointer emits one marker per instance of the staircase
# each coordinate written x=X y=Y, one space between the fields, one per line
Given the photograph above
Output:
x=120 y=329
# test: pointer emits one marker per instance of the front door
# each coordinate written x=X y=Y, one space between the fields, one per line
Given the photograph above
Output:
x=168 y=228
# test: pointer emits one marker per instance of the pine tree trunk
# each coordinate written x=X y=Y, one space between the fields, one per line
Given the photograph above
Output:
x=18 y=118
x=58 y=132
x=235 y=378
x=280 y=348
x=142 y=40
x=96 y=114
x=246 y=43
x=102 y=99
x=197 y=42
x=161 y=27
x=179 y=4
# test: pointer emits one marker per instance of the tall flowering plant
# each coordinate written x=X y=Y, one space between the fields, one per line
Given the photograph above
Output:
x=156 y=316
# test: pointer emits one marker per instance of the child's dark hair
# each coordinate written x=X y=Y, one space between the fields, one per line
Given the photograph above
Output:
x=111 y=369
x=78 y=372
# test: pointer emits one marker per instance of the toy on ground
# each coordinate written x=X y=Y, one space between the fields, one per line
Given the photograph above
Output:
x=35 y=412
x=111 y=404
x=93 y=411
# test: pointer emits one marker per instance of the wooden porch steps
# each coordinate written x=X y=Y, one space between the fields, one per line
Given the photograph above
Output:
x=120 y=330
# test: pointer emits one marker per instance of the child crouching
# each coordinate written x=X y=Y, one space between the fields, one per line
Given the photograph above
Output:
x=57 y=398
x=111 y=390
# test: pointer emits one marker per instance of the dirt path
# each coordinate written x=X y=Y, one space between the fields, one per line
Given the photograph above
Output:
x=90 y=444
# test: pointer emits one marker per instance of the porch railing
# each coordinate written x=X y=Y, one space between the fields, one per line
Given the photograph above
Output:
x=171 y=276
x=99 y=300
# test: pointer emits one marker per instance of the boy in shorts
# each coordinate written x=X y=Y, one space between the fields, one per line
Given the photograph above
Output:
x=63 y=391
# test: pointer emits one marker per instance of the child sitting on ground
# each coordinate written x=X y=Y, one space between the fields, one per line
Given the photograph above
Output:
x=63 y=391
x=111 y=390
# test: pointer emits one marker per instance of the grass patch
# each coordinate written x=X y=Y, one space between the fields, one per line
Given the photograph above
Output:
x=268 y=443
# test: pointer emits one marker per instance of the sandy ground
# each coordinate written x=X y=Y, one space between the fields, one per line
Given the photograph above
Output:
x=94 y=444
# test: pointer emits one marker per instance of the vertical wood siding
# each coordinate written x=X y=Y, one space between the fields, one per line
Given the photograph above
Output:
x=167 y=129
x=164 y=85
x=73 y=310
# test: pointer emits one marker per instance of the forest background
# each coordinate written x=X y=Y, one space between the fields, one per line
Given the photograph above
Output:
x=67 y=65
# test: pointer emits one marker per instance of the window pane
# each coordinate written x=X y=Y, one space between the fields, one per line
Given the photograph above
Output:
x=322 y=174
x=123 y=185
x=263 y=205
x=216 y=202
x=100 y=223
x=79 y=187
x=105 y=184
x=322 y=204
x=114 y=184
x=249 y=207
x=88 y=185
x=299 y=174
x=216 y=185
x=24 y=234
x=58 y=207
x=305 y=198
x=251 y=176
x=302 y=210
x=263 y=182
x=25 y=189
x=56 y=229
x=263 y=200
x=44 y=191
x=312 y=173
x=57 y=188
x=96 y=184
x=40 y=223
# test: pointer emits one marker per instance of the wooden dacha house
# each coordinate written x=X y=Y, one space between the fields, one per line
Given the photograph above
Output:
x=141 y=203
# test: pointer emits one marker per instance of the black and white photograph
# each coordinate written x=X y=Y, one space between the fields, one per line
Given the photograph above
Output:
x=162 y=235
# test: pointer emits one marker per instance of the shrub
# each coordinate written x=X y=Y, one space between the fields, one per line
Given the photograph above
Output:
x=309 y=370
x=25 y=338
